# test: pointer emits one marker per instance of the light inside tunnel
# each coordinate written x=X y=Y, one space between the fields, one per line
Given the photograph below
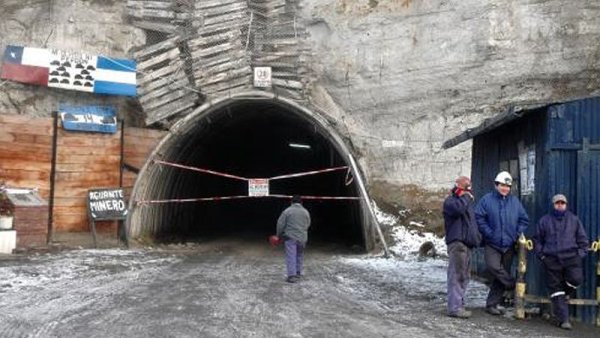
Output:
x=250 y=139
x=302 y=146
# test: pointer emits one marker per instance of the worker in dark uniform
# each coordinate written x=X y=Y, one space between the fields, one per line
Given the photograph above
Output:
x=561 y=243
x=462 y=235
x=292 y=228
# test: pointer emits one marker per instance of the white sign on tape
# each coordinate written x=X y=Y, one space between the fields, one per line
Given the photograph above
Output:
x=258 y=187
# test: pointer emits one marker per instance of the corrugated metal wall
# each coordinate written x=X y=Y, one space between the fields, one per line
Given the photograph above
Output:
x=574 y=145
x=562 y=166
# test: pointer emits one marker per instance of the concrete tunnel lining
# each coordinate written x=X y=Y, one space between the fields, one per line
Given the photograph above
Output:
x=150 y=221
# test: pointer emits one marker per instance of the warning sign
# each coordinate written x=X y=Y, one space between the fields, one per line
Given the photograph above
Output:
x=258 y=187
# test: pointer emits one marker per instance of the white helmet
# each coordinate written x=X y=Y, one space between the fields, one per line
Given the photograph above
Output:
x=504 y=178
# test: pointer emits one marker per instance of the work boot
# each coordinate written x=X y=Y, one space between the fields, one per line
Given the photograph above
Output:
x=292 y=279
x=495 y=310
x=566 y=326
x=462 y=313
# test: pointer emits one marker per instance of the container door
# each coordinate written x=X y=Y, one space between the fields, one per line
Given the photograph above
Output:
x=588 y=210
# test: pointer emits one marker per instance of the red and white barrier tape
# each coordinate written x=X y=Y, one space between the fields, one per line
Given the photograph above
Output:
x=217 y=173
x=308 y=197
x=188 y=200
x=205 y=199
x=307 y=173
x=206 y=171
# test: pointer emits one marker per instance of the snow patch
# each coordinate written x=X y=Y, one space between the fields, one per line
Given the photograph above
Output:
x=75 y=265
x=426 y=278
x=407 y=242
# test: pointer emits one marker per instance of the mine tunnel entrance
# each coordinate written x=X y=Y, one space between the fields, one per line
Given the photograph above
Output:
x=247 y=139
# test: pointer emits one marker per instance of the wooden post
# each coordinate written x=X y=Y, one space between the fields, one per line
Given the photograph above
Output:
x=521 y=286
x=94 y=233
x=50 y=237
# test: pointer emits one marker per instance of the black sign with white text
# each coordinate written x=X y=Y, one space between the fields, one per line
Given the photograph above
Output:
x=107 y=204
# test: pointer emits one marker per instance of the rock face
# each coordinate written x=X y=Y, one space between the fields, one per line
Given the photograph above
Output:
x=411 y=73
x=400 y=76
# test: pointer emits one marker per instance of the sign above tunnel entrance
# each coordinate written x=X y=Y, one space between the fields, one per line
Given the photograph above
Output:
x=262 y=77
x=258 y=187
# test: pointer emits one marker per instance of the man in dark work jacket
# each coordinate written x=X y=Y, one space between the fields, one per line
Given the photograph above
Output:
x=462 y=235
x=560 y=243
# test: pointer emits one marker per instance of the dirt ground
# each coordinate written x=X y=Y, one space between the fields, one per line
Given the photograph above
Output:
x=236 y=288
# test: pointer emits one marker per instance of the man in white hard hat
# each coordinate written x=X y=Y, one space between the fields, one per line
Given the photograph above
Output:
x=501 y=218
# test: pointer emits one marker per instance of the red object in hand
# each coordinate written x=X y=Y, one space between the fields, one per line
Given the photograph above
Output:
x=274 y=240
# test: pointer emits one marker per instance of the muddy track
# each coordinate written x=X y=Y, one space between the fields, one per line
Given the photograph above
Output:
x=227 y=290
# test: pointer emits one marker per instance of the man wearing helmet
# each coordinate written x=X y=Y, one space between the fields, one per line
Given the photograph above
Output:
x=501 y=218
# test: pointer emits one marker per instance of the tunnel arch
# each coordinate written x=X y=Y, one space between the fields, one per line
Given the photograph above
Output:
x=199 y=137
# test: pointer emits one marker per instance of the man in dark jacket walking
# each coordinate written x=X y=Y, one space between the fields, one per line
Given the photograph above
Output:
x=461 y=235
x=560 y=243
x=501 y=218
x=292 y=227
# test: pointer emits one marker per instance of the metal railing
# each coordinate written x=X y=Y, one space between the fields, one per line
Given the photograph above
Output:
x=522 y=298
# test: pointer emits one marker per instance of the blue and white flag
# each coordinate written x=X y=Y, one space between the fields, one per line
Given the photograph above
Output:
x=70 y=70
x=102 y=119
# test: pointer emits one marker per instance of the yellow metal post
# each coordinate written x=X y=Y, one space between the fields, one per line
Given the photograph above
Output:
x=596 y=249
x=521 y=286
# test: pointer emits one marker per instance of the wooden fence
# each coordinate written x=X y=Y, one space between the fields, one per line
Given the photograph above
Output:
x=83 y=161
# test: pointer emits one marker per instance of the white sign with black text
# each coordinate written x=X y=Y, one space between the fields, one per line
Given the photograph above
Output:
x=262 y=77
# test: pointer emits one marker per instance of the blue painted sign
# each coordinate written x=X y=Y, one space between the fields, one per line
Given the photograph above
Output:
x=101 y=119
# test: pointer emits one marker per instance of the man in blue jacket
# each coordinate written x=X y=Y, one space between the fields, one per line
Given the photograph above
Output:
x=560 y=243
x=501 y=218
x=461 y=235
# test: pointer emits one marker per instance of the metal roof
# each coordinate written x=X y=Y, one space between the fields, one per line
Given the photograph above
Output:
x=511 y=114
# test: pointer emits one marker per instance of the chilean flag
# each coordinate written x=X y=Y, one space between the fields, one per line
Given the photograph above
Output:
x=70 y=70
x=26 y=65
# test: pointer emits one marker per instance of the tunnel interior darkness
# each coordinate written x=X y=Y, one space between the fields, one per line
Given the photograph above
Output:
x=254 y=139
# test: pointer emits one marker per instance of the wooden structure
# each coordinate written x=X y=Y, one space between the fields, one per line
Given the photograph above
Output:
x=163 y=87
x=26 y=155
x=202 y=49
x=220 y=62
x=280 y=43
x=83 y=161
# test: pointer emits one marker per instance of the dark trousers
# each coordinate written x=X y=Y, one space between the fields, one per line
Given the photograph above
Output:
x=294 y=257
x=459 y=257
x=498 y=265
x=563 y=276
